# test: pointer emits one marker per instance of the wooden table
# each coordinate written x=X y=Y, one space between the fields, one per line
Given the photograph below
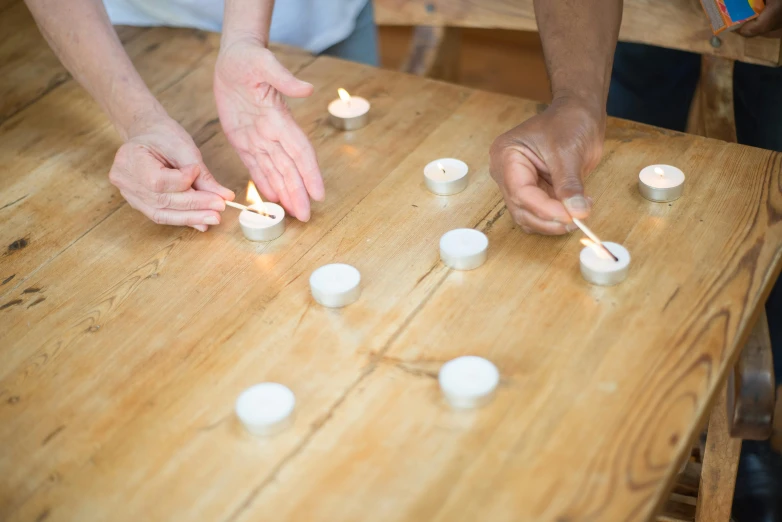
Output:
x=124 y=344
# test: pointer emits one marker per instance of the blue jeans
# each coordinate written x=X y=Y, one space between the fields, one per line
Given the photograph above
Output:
x=361 y=45
x=654 y=85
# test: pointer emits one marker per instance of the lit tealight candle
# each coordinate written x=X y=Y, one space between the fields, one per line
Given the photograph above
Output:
x=446 y=176
x=464 y=248
x=268 y=225
x=335 y=285
x=266 y=408
x=348 y=112
x=661 y=183
x=599 y=268
x=469 y=381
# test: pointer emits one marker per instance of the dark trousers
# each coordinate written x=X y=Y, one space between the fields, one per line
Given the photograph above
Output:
x=654 y=85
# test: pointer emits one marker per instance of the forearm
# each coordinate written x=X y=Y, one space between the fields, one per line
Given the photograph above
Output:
x=80 y=33
x=579 y=38
x=247 y=19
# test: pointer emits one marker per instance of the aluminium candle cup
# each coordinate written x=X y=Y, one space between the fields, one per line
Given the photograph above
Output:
x=256 y=227
x=468 y=382
x=661 y=189
x=605 y=272
x=351 y=116
x=452 y=181
x=464 y=248
x=335 y=285
x=266 y=408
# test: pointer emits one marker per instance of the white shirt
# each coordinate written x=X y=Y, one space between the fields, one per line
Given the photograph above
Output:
x=310 y=24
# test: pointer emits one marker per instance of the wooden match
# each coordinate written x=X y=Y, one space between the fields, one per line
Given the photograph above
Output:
x=244 y=207
x=591 y=235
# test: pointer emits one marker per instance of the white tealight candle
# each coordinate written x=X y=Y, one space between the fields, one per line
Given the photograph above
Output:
x=661 y=183
x=464 y=248
x=335 y=285
x=446 y=176
x=348 y=112
x=600 y=269
x=265 y=408
x=258 y=227
x=469 y=381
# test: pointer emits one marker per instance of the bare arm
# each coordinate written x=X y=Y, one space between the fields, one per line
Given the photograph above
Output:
x=540 y=165
x=248 y=19
x=250 y=89
x=579 y=38
x=80 y=33
x=159 y=170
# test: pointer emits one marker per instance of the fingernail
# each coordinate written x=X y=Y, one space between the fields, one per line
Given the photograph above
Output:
x=576 y=205
x=218 y=205
x=211 y=220
x=570 y=227
x=200 y=228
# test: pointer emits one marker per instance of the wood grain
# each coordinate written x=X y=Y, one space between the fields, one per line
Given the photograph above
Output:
x=720 y=463
x=117 y=389
x=677 y=24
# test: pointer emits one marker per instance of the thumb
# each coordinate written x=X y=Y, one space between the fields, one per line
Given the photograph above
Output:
x=206 y=182
x=283 y=80
x=569 y=188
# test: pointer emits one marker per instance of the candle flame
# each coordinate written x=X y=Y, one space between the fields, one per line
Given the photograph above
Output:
x=597 y=250
x=343 y=95
x=254 y=198
x=440 y=166
x=660 y=172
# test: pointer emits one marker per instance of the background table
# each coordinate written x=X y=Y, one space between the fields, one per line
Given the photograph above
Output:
x=124 y=344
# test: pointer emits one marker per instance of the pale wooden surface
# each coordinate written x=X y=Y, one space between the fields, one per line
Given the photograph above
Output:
x=124 y=344
x=678 y=24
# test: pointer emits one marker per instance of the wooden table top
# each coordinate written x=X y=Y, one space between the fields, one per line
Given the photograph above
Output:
x=124 y=344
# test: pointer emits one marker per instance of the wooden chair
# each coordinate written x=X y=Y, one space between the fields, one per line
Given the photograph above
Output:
x=704 y=488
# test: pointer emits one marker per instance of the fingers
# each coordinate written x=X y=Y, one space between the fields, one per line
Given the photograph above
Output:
x=283 y=80
x=530 y=223
x=190 y=200
x=770 y=19
x=275 y=179
x=293 y=183
x=527 y=194
x=206 y=182
x=299 y=148
x=568 y=187
x=198 y=219
x=165 y=216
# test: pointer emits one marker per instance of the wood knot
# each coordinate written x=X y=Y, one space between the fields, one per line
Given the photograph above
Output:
x=674 y=439
x=18 y=244
x=13 y=399
x=94 y=328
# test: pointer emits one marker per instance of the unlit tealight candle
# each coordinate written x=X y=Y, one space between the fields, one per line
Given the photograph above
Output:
x=661 y=183
x=464 y=248
x=335 y=285
x=446 y=176
x=348 y=112
x=266 y=408
x=468 y=381
x=258 y=227
x=600 y=269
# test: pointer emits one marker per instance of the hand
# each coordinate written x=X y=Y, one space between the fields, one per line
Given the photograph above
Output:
x=768 y=23
x=539 y=166
x=159 y=171
x=249 y=86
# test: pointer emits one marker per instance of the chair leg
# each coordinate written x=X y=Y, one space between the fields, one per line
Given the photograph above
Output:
x=720 y=463
x=434 y=53
x=716 y=99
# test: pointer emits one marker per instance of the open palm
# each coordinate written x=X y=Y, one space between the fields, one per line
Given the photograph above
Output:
x=249 y=86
